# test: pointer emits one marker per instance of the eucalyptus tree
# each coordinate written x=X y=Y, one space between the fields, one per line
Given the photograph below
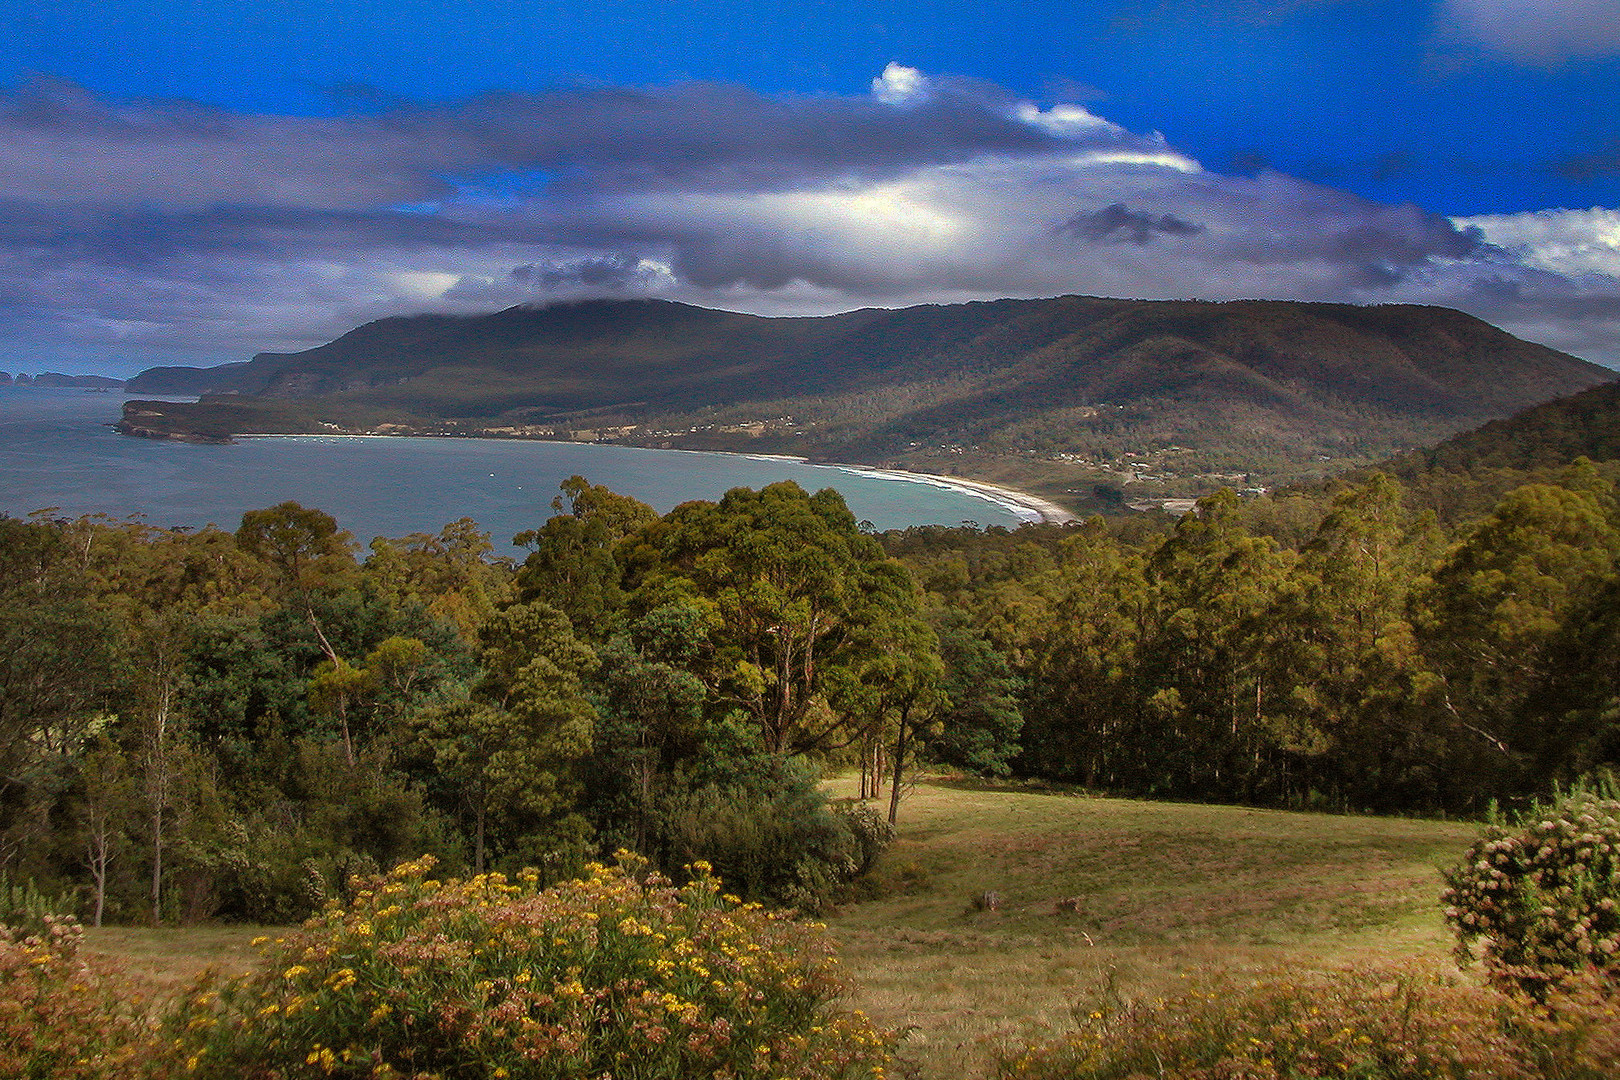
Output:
x=1083 y=716
x=508 y=751
x=1498 y=602
x=574 y=558
x=1202 y=666
x=790 y=590
x=307 y=553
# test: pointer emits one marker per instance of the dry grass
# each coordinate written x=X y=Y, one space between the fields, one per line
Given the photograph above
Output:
x=1161 y=889
x=166 y=960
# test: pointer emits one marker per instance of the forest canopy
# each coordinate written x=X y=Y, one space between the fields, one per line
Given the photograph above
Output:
x=200 y=724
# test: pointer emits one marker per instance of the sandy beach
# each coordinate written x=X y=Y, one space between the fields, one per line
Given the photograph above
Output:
x=1030 y=508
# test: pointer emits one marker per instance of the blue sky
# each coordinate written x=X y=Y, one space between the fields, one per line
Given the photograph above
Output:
x=196 y=182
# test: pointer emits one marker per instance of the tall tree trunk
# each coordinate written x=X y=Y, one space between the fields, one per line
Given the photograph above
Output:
x=478 y=835
x=157 y=789
x=902 y=743
x=100 y=856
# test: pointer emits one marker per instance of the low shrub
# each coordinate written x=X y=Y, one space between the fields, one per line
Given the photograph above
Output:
x=27 y=909
x=58 y=1018
x=786 y=845
x=1392 y=1024
x=617 y=974
x=1540 y=901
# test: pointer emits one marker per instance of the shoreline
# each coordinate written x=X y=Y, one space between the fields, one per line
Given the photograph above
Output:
x=1029 y=508
x=1033 y=509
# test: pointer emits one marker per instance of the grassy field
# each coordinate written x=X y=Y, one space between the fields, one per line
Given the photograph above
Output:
x=1158 y=889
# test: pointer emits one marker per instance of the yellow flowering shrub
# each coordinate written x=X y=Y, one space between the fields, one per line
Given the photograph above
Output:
x=60 y=1019
x=618 y=974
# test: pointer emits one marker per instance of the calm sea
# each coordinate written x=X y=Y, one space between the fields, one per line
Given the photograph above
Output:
x=57 y=449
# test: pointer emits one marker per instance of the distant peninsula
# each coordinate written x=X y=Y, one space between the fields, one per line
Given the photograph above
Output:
x=1084 y=400
x=57 y=380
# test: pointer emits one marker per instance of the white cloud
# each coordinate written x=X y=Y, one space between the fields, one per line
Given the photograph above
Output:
x=1065 y=120
x=1163 y=159
x=899 y=85
x=1573 y=243
x=422 y=284
x=1539 y=31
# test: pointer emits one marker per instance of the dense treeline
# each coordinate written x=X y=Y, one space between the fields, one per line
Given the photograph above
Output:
x=204 y=723
x=1341 y=651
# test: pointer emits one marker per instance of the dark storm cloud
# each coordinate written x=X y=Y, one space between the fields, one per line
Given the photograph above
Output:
x=64 y=147
x=613 y=272
x=1376 y=243
x=175 y=231
x=1117 y=224
x=718 y=136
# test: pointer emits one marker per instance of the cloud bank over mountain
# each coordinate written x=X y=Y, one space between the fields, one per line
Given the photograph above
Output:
x=144 y=231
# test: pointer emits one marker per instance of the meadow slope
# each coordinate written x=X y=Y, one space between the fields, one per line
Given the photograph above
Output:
x=1160 y=889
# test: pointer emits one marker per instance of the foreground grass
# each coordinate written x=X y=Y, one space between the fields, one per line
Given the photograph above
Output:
x=164 y=961
x=1158 y=890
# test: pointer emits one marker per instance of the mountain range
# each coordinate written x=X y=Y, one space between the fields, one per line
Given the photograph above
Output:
x=1186 y=388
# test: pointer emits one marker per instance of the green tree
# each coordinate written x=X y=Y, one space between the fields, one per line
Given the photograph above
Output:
x=1203 y=662
x=451 y=573
x=573 y=564
x=650 y=718
x=105 y=811
x=1083 y=713
x=164 y=754
x=62 y=670
x=1346 y=725
x=337 y=690
x=1571 y=720
x=788 y=584
x=1494 y=607
x=508 y=750
x=978 y=729
x=306 y=551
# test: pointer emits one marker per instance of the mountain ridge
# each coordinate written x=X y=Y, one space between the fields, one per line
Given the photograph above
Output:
x=1273 y=385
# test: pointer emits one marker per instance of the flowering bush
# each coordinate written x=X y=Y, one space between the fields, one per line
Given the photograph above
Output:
x=618 y=974
x=1542 y=901
x=58 y=1019
x=1393 y=1024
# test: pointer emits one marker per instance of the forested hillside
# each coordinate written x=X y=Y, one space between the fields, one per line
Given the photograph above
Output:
x=1063 y=392
x=1462 y=476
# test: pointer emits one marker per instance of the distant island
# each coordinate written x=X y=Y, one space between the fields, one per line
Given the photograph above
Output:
x=56 y=379
x=1087 y=401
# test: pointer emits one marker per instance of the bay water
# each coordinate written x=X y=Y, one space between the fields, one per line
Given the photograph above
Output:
x=58 y=450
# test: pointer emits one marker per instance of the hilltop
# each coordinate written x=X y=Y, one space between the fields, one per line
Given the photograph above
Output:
x=1067 y=391
x=1461 y=477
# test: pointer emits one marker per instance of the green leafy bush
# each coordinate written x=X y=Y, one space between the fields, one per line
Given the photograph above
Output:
x=59 y=1019
x=783 y=846
x=619 y=974
x=1541 y=900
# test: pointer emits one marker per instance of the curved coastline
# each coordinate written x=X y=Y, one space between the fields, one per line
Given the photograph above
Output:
x=1031 y=509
